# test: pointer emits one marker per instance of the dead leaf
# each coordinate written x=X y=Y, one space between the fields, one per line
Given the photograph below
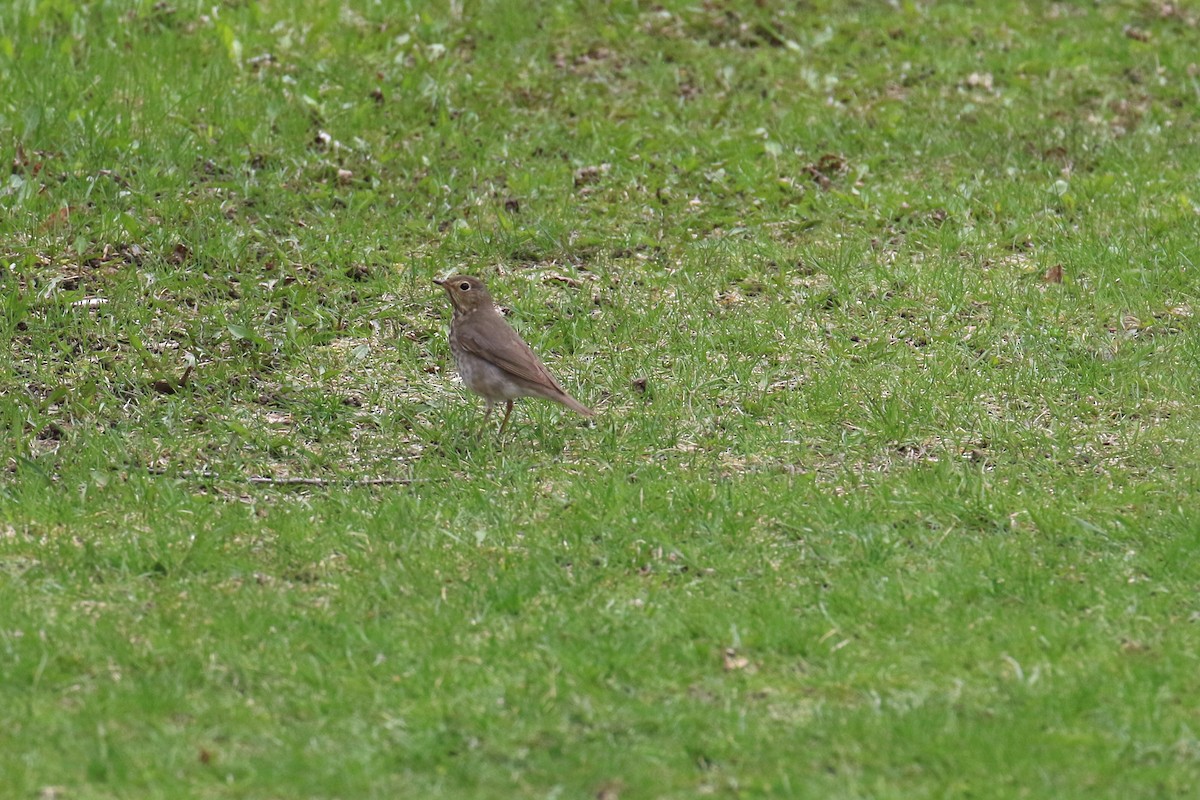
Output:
x=591 y=174
x=179 y=254
x=610 y=790
x=569 y=281
x=1054 y=274
x=980 y=80
x=733 y=661
x=114 y=176
x=827 y=167
x=21 y=163
x=56 y=218
x=260 y=61
x=639 y=385
x=729 y=299
x=831 y=162
x=170 y=386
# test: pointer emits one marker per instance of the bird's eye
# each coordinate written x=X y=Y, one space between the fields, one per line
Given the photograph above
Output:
x=466 y=287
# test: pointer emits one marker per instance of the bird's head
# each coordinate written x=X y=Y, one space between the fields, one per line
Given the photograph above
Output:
x=467 y=293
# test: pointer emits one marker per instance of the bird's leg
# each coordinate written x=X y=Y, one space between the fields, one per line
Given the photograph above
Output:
x=507 y=411
x=487 y=412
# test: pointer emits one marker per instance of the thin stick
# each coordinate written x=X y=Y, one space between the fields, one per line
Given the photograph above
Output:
x=263 y=479
x=330 y=481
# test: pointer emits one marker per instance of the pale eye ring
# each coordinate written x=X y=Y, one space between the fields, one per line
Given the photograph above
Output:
x=466 y=287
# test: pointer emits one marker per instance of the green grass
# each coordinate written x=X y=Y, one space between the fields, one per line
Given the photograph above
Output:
x=874 y=507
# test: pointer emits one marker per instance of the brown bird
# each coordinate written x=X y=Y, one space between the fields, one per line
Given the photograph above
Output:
x=491 y=357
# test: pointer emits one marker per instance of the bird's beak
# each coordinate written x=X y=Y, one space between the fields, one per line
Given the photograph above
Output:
x=437 y=282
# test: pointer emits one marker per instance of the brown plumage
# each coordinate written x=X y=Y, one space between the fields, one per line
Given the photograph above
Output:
x=491 y=357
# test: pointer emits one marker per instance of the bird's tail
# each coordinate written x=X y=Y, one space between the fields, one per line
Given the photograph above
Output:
x=575 y=405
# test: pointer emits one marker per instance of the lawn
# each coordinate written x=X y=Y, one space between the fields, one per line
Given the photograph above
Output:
x=887 y=312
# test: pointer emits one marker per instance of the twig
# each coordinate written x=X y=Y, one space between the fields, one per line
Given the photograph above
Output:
x=296 y=481
x=330 y=481
x=572 y=282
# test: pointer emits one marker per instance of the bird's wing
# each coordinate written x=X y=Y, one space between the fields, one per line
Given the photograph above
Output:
x=499 y=344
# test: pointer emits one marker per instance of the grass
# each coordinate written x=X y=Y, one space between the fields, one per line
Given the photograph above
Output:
x=888 y=312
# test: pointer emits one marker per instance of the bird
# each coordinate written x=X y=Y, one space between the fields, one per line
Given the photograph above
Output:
x=492 y=358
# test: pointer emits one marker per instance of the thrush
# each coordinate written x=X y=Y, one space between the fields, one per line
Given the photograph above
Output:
x=492 y=358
